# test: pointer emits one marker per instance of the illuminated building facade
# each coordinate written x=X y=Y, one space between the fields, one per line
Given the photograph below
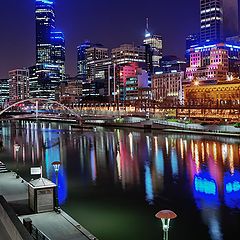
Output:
x=129 y=53
x=131 y=89
x=97 y=52
x=167 y=86
x=123 y=72
x=134 y=84
x=129 y=79
x=58 y=52
x=101 y=76
x=211 y=64
x=69 y=91
x=211 y=12
x=155 y=43
x=217 y=101
x=18 y=85
x=219 y=27
x=4 y=92
x=82 y=60
x=50 y=52
x=98 y=62
x=219 y=20
x=45 y=25
x=221 y=92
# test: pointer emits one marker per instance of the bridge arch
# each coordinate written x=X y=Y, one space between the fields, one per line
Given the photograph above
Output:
x=41 y=100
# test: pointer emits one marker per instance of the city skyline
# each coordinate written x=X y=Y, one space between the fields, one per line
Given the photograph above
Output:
x=22 y=54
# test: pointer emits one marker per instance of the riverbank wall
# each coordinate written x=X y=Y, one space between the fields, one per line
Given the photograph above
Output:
x=165 y=126
x=15 y=212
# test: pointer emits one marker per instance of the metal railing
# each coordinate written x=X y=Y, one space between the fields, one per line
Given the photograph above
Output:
x=38 y=235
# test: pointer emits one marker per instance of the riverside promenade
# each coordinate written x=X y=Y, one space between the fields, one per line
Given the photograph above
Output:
x=49 y=225
x=172 y=127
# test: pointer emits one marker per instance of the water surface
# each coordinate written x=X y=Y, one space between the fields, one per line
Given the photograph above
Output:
x=114 y=181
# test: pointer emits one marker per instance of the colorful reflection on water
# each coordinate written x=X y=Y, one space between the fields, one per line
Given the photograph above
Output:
x=197 y=173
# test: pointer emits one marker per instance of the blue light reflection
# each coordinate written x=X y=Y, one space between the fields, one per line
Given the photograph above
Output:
x=232 y=189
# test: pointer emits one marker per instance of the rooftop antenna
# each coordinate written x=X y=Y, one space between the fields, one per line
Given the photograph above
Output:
x=147 y=24
x=147 y=33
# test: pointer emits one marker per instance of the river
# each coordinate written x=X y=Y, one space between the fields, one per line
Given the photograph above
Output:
x=113 y=181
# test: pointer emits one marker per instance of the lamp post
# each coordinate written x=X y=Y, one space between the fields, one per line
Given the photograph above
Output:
x=165 y=216
x=16 y=150
x=118 y=101
x=56 y=165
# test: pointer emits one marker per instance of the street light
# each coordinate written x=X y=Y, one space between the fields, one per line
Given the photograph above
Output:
x=165 y=216
x=118 y=100
x=56 y=165
x=16 y=150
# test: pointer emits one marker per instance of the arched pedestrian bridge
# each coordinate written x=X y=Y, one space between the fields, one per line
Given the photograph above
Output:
x=37 y=102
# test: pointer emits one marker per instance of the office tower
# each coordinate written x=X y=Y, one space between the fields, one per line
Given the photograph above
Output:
x=69 y=91
x=168 y=86
x=155 y=42
x=45 y=25
x=128 y=53
x=18 y=85
x=219 y=19
x=100 y=76
x=82 y=60
x=58 y=52
x=97 y=52
x=127 y=75
x=211 y=20
x=50 y=52
x=97 y=57
x=34 y=86
x=208 y=65
x=135 y=84
x=4 y=92
x=149 y=59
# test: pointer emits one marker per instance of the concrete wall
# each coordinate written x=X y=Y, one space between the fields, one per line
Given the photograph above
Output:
x=11 y=222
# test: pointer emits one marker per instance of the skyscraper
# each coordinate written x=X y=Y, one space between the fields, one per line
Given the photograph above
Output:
x=97 y=57
x=50 y=52
x=219 y=19
x=18 y=85
x=4 y=92
x=58 y=51
x=211 y=20
x=155 y=42
x=128 y=53
x=45 y=25
x=82 y=60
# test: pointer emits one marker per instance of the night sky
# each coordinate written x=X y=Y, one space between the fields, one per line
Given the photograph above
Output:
x=110 y=22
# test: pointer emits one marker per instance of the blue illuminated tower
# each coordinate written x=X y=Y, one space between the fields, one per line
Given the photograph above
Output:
x=45 y=25
x=50 y=52
x=82 y=60
x=58 y=51
x=219 y=19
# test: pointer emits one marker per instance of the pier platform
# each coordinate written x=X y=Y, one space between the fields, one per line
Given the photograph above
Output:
x=53 y=225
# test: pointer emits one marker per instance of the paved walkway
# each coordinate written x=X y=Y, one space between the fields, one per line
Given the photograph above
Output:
x=53 y=225
x=59 y=226
x=13 y=189
x=3 y=233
